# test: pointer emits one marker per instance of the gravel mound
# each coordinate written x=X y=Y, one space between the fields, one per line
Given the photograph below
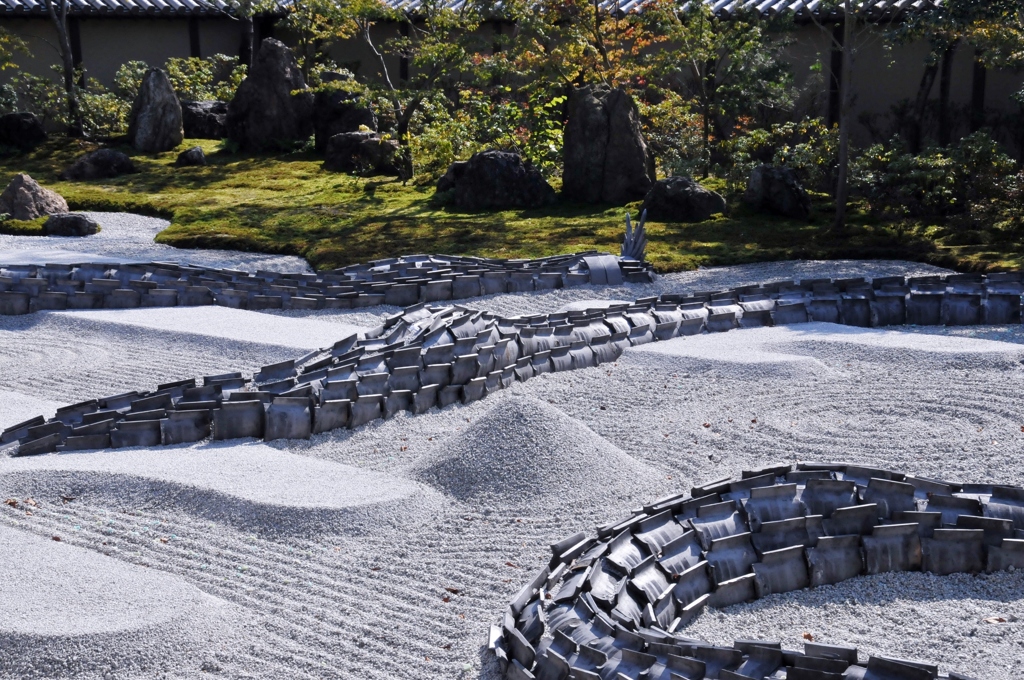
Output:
x=524 y=451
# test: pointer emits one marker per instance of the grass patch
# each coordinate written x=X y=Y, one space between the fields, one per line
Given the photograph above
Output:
x=284 y=203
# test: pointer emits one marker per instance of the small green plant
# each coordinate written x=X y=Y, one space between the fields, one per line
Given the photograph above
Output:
x=215 y=77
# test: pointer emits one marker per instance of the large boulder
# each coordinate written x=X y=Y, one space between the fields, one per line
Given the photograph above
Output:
x=452 y=176
x=681 y=199
x=24 y=199
x=21 y=130
x=777 y=190
x=204 y=119
x=337 y=111
x=265 y=114
x=100 y=164
x=191 y=157
x=606 y=157
x=361 y=152
x=155 y=123
x=70 y=224
x=498 y=180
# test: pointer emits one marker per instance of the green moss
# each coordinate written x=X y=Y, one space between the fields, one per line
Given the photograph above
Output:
x=284 y=203
x=23 y=227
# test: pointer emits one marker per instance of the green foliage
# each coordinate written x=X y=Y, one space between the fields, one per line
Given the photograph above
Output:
x=937 y=183
x=215 y=77
x=105 y=113
x=809 y=147
x=128 y=79
x=674 y=134
x=41 y=96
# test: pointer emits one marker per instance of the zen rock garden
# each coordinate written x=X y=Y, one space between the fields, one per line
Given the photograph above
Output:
x=284 y=469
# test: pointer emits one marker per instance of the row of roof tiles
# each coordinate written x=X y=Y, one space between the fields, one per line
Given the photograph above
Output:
x=181 y=8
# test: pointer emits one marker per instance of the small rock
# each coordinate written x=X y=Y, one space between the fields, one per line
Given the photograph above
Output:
x=24 y=199
x=155 y=124
x=777 y=190
x=361 y=152
x=204 y=119
x=681 y=199
x=70 y=224
x=21 y=130
x=191 y=157
x=101 y=164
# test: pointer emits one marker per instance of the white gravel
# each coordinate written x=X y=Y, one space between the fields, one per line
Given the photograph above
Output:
x=126 y=238
x=68 y=611
x=409 y=589
x=227 y=324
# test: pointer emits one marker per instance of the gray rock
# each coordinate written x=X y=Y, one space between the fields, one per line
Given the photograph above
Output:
x=265 y=114
x=361 y=152
x=191 y=157
x=24 y=199
x=500 y=179
x=204 y=119
x=452 y=176
x=777 y=190
x=21 y=130
x=681 y=199
x=606 y=157
x=335 y=112
x=100 y=164
x=155 y=124
x=70 y=224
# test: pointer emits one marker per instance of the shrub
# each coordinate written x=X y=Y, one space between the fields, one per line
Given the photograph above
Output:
x=216 y=77
x=809 y=147
x=936 y=183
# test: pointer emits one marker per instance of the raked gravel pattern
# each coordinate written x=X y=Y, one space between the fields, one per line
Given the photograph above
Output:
x=410 y=593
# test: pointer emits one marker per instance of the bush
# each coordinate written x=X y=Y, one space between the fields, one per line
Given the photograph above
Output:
x=936 y=183
x=674 y=134
x=809 y=147
x=216 y=77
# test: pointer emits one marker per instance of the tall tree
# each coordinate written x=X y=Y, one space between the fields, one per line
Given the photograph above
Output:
x=729 y=66
x=442 y=49
x=58 y=11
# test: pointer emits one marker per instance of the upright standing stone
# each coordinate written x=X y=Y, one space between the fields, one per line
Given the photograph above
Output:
x=265 y=113
x=606 y=158
x=156 y=115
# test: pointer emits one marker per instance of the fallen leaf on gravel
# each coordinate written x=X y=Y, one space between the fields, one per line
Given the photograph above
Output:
x=808 y=636
x=447 y=646
x=994 y=619
x=67 y=499
x=374 y=568
x=453 y=591
x=707 y=424
x=754 y=420
x=11 y=502
x=31 y=501
x=509 y=564
x=57 y=538
x=446 y=599
x=28 y=513
x=163 y=539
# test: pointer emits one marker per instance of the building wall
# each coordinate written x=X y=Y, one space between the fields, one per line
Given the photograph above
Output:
x=107 y=43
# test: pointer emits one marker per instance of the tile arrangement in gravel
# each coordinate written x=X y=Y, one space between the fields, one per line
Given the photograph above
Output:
x=429 y=356
x=400 y=281
x=616 y=605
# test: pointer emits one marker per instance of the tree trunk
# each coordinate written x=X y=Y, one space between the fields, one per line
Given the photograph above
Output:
x=944 y=85
x=245 y=50
x=845 y=111
x=978 y=93
x=920 y=104
x=76 y=125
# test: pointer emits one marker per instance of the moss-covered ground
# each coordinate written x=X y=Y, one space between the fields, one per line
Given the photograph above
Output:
x=285 y=203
